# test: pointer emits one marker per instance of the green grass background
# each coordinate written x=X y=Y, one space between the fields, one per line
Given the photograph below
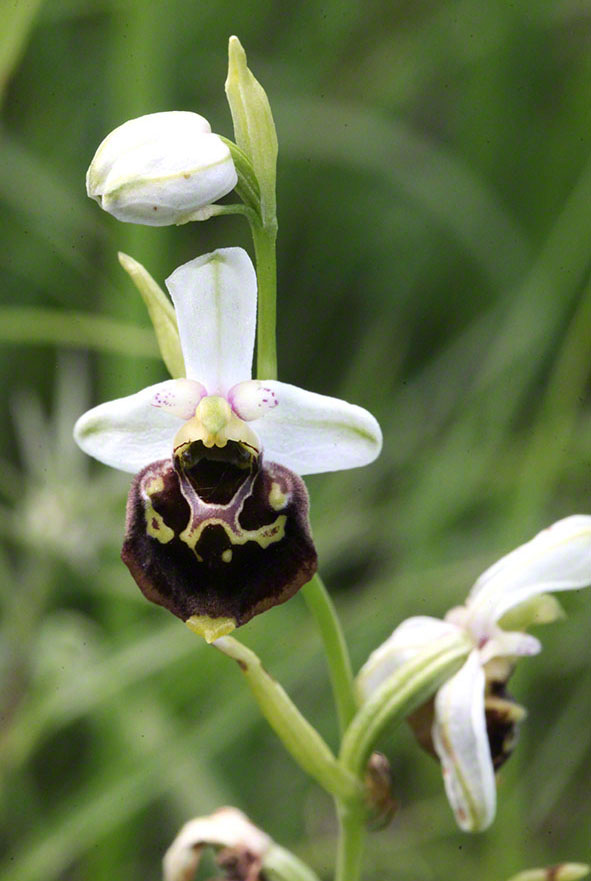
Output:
x=434 y=254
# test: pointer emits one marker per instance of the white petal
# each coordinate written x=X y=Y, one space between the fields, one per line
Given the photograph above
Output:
x=129 y=433
x=227 y=827
x=404 y=644
x=179 y=397
x=461 y=742
x=558 y=558
x=251 y=399
x=311 y=433
x=509 y=644
x=215 y=302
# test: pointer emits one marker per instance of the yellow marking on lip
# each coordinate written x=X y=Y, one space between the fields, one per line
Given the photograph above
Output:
x=278 y=499
x=155 y=525
x=263 y=536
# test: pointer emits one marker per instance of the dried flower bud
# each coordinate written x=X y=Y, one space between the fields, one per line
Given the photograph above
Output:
x=381 y=803
x=160 y=169
x=242 y=845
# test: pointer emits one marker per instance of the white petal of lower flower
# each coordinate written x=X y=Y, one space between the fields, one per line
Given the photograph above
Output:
x=509 y=644
x=129 y=433
x=558 y=558
x=215 y=302
x=461 y=742
x=227 y=827
x=179 y=397
x=311 y=433
x=405 y=643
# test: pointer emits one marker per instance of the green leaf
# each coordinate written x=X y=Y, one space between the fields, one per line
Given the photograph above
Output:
x=561 y=872
x=17 y=22
x=31 y=325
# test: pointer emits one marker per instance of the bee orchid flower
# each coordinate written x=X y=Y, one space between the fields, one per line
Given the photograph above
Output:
x=472 y=723
x=217 y=518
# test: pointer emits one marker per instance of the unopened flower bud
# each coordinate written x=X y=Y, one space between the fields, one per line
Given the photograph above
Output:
x=160 y=169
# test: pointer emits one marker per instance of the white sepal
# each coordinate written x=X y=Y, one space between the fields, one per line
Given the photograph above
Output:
x=311 y=433
x=160 y=168
x=460 y=739
x=558 y=558
x=404 y=644
x=509 y=644
x=227 y=827
x=215 y=301
x=129 y=433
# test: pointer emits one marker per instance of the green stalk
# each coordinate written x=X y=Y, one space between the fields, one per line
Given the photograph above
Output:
x=341 y=675
x=299 y=738
x=280 y=864
x=351 y=840
x=264 y=238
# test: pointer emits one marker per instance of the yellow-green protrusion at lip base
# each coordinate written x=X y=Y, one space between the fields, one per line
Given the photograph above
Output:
x=210 y=628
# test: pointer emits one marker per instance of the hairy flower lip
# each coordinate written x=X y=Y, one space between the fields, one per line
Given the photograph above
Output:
x=216 y=558
x=473 y=715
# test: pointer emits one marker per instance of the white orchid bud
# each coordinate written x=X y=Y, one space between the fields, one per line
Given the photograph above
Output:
x=160 y=169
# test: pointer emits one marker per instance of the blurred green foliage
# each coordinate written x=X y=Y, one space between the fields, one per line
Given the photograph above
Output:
x=434 y=257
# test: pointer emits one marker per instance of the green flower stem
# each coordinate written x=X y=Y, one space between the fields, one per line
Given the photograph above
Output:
x=351 y=840
x=280 y=864
x=341 y=675
x=299 y=738
x=264 y=238
x=406 y=689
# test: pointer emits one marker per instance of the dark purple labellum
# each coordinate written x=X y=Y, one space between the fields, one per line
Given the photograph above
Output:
x=216 y=532
x=502 y=713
